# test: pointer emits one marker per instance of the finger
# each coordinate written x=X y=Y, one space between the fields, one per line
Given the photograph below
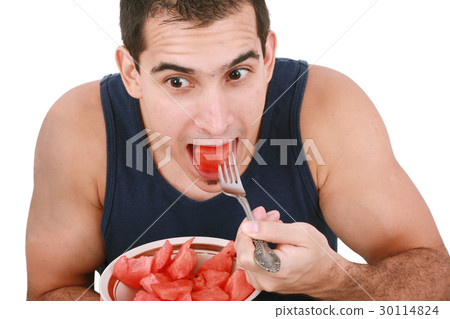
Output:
x=240 y=226
x=273 y=216
x=259 y=213
x=245 y=251
x=294 y=233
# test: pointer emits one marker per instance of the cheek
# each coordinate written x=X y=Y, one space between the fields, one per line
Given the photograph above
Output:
x=163 y=115
x=252 y=100
x=253 y=104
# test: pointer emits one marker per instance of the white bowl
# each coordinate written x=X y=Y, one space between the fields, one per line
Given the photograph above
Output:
x=111 y=289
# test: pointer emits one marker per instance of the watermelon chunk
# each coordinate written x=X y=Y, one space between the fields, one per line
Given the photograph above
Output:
x=164 y=279
x=215 y=277
x=184 y=262
x=162 y=256
x=121 y=268
x=130 y=271
x=207 y=158
x=210 y=294
x=237 y=286
x=223 y=261
x=152 y=279
x=185 y=297
x=229 y=249
x=172 y=290
x=143 y=295
x=198 y=281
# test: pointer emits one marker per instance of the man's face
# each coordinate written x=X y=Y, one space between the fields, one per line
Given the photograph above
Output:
x=205 y=88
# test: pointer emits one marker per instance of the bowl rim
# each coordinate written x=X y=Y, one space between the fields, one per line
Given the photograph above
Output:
x=107 y=272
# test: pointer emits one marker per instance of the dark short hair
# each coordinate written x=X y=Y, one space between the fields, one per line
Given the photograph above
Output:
x=134 y=15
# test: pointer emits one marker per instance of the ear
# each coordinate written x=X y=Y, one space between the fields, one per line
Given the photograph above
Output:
x=269 y=59
x=127 y=68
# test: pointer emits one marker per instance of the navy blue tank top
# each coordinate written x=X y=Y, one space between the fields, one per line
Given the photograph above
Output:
x=141 y=206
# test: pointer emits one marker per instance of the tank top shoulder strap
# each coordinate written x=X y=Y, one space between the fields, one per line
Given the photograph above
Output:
x=122 y=120
x=281 y=118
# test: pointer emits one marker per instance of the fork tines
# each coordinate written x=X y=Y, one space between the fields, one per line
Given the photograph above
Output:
x=230 y=172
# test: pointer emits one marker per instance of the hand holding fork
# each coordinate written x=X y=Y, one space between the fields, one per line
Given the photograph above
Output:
x=230 y=182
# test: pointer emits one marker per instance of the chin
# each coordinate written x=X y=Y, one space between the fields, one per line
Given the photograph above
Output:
x=210 y=186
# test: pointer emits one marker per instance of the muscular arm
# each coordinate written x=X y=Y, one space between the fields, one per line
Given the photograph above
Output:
x=63 y=243
x=309 y=266
x=366 y=199
x=369 y=201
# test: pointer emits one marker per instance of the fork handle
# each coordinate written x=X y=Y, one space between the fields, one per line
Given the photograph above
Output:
x=248 y=211
x=264 y=256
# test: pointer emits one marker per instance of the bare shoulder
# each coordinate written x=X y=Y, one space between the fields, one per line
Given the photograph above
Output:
x=339 y=117
x=73 y=137
x=332 y=98
x=66 y=206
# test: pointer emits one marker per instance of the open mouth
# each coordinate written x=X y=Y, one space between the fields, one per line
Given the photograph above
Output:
x=206 y=157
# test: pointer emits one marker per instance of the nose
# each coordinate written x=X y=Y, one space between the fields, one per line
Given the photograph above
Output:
x=214 y=115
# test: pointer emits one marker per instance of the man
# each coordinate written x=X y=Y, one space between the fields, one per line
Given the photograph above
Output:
x=206 y=77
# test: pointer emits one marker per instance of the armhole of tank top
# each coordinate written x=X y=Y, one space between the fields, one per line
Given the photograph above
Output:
x=304 y=170
x=110 y=153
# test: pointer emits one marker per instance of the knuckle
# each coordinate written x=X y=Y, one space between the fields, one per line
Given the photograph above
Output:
x=237 y=240
x=273 y=215
x=312 y=233
x=244 y=261
x=310 y=229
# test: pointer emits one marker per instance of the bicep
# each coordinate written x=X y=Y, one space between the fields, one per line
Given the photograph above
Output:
x=63 y=243
x=366 y=197
x=378 y=213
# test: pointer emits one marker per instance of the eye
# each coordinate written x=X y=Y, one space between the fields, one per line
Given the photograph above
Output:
x=178 y=82
x=237 y=74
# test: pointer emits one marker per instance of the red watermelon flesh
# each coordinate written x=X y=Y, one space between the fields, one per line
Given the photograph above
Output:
x=130 y=271
x=211 y=282
x=152 y=279
x=223 y=261
x=229 y=249
x=215 y=277
x=184 y=262
x=121 y=268
x=198 y=281
x=172 y=290
x=185 y=297
x=162 y=256
x=207 y=158
x=210 y=294
x=143 y=295
x=237 y=286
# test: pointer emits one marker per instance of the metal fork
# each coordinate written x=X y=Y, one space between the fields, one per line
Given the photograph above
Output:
x=231 y=184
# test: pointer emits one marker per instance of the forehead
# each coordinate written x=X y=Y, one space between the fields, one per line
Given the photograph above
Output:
x=213 y=44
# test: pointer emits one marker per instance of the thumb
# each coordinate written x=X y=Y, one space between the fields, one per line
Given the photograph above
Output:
x=276 y=232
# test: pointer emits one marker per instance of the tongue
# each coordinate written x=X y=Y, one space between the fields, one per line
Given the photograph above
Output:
x=208 y=158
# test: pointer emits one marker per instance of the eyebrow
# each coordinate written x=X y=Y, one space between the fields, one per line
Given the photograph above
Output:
x=248 y=55
x=174 y=67
x=178 y=68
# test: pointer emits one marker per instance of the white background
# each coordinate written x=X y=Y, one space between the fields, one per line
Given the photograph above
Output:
x=397 y=51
